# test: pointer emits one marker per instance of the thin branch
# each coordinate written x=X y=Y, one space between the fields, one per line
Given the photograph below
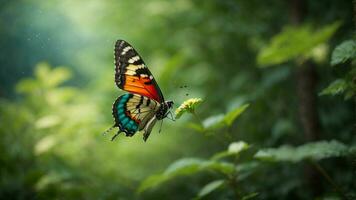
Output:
x=322 y=171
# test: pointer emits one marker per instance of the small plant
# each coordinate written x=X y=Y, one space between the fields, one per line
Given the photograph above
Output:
x=240 y=161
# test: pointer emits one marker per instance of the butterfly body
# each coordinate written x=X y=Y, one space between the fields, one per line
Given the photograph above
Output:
x=144 y=104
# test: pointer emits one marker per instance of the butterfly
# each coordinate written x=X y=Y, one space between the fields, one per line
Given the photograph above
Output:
x=144 y=105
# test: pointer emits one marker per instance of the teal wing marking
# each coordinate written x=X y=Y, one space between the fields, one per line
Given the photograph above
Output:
x=132 y=112
x=122 y=117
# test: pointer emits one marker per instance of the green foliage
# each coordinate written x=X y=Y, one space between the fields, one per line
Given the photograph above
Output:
x=250 y=196
x=184 y=167
x=343 y=52
x=210 y=187
x=294 y=42
x=337 y=87
x=347 y=86
x=51 y=122
x=231 y=116
x=191 y=166
x=315 y=151
x=234 y=149
x=224 y=120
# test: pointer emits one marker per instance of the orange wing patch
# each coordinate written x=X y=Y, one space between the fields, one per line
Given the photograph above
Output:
x=141 y=85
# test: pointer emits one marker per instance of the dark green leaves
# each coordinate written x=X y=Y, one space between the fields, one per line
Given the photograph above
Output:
x=294 y=42
x=336 y=87
x=343 y=52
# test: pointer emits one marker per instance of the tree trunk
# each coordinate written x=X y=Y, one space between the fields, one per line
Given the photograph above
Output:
x=306 y=77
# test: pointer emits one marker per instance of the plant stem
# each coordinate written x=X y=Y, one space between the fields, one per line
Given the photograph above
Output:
x=322 y=171
x=233 y=184
x=197 y=117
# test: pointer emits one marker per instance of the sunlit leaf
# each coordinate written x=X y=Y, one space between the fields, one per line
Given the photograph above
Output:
x=51 y=178
x=237 y=147
x=315 y=151
x=27 y=85
x=47 y=121
x=210 y=187
x=58 y=75
x=344 y=52
x=336 y=87
x=50 y=78
x=45 y=144
x=234 y=149
x=42 y=71
x=320 y=53
x=294 y=42
x=61 y=95
x=187 y=106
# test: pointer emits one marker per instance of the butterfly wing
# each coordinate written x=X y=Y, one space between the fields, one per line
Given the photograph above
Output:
x=134 y=113
x=131 y=73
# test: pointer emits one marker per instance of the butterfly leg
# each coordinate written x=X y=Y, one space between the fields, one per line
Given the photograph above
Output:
x=160 y=127
x=113 y=138
x=171 y=116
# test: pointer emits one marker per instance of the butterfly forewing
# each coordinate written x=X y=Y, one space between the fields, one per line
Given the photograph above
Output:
x=131 y=73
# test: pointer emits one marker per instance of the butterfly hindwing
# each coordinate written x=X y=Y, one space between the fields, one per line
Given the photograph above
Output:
x=131 y=73
x=134 y=113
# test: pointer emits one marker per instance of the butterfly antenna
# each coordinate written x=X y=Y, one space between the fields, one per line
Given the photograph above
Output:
x=108 y=130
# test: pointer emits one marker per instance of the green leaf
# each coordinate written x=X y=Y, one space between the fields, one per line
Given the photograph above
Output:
x=336 y=87
x=42 y=70
x=27 y=85
x=214 y=122
x=237 y=147
x=183 y=167
x=45 y=144
x=294 y=42
x=233 y=150
x=250 y=196
x=316 y=151
x=210 y=187
x=343 y=52
x=57 y=76
x=219 y=121
x=152 y=182
x=196 y=127
x=246 y=169
x=47 y=121
x=231 y=116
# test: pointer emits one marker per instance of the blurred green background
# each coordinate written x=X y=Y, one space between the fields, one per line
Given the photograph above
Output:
x=292 y=63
